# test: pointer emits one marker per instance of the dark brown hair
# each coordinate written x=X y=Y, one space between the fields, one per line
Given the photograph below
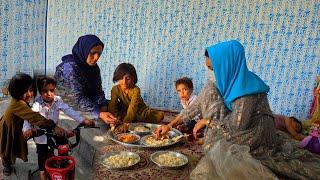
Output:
x=20 y=84
x=123 y=69
x=44 y=81
x=186 y=81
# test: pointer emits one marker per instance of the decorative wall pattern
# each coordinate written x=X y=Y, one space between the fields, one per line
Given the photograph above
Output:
x=165 y=40
x=22 y=36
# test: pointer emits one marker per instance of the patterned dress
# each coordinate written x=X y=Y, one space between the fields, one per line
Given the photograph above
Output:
x=251 y=124
x=76 y=88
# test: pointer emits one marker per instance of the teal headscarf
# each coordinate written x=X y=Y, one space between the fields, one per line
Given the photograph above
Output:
x=233 y=78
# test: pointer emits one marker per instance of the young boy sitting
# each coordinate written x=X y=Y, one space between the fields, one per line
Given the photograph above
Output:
x=184 y=87
x=49 y=105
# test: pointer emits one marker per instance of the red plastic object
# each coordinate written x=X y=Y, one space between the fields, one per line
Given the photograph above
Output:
x=66 y=172
x=63 y=150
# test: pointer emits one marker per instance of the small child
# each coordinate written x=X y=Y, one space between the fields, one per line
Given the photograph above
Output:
x=49 y=105
x=126 y=102
x=290 y=125
x=12 y=143
x=184 y=87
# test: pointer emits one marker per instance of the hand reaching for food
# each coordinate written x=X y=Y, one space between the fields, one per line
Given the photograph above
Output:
x=122 y=128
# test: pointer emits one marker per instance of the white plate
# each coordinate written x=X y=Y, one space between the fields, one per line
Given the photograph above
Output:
x=135 y=156
x=133 y=125
x=173 y=153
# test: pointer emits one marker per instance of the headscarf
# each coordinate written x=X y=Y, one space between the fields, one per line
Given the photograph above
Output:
x=80 y=52
x=81 y=49
x=233 y=79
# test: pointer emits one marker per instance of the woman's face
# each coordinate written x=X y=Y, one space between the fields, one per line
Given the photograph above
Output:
x=94 y=55
x=126 y=82
x=208 y=63
x=210 y=70
x=27 y=96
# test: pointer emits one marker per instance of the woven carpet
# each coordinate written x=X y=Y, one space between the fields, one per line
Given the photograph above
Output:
x=146 y=169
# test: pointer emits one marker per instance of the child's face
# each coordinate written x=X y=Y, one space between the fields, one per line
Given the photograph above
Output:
x=184 y=92
x=48 y=92
x=27 y=97
x=126 y=82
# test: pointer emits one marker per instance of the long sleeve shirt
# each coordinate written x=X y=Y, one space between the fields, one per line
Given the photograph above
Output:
x=188 y=103
x=80 y=89
x=51 y=112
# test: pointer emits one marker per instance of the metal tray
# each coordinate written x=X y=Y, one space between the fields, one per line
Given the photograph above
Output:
x=176 y=154
x=139 y=144
x=135 y=155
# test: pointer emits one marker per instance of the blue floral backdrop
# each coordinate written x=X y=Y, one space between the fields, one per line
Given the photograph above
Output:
x=22 y=36
x=165 y=40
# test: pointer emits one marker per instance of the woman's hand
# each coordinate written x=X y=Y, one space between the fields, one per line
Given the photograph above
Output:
x=88 y=122
x=162 y=130
x=27 y=134
x=59 y=131
x=200 y=124
x=108 y=118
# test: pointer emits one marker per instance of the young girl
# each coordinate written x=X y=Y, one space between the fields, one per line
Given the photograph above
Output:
x=126 y=101
x=184 y=87
x=12 y=143
x=290 y=125
x=49 y=105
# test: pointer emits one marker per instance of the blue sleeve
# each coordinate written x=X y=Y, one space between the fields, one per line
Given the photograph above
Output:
x=77 y=89
x=100 y=98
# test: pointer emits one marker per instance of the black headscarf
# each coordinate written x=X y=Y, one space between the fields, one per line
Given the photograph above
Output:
x=80 y=52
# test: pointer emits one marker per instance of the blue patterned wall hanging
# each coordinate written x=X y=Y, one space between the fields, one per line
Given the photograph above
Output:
x=165 y=40
x=22 y=35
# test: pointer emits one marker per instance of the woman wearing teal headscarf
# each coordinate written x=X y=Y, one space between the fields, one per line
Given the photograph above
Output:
x=235 y=142
x=233 y=78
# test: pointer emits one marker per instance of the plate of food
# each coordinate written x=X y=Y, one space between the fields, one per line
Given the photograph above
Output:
x=151 y=141
x=170 y=139
x=169 y=159
x=140 y=128
x=130 y=138
x=120 y=160
x=174 y=136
